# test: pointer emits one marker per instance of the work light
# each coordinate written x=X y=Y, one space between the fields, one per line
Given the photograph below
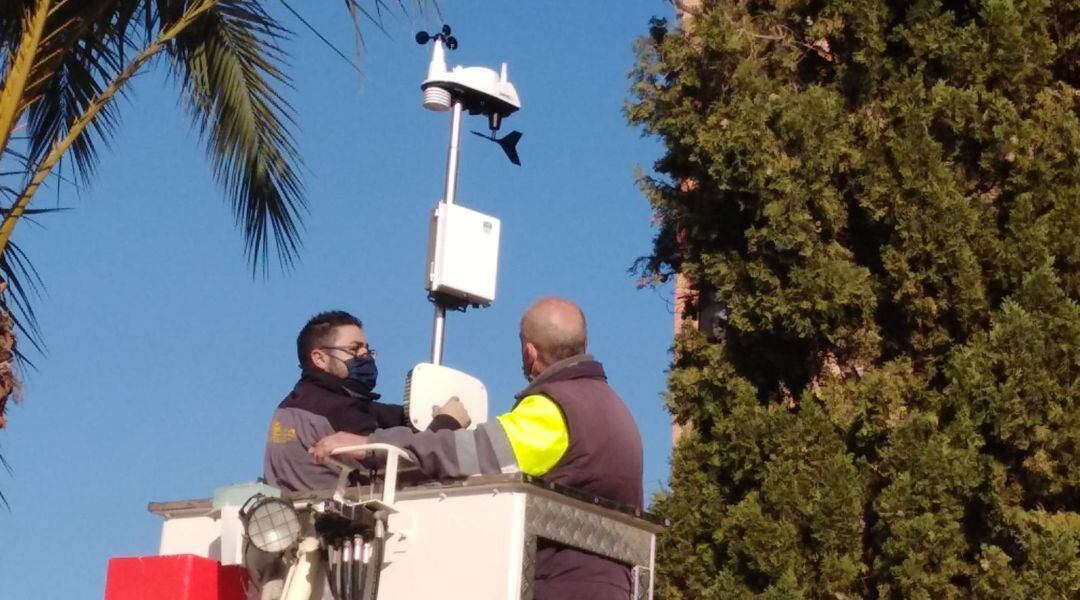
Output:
x=270 y=523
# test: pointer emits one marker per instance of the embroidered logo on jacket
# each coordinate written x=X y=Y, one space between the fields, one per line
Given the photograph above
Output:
x=281 y=435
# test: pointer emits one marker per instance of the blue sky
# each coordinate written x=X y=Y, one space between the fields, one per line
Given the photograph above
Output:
x=165 y=358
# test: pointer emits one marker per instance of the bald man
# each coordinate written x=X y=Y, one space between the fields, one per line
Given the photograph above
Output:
x=568 y=426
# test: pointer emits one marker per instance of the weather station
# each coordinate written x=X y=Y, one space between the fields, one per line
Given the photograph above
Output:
x=391 y=536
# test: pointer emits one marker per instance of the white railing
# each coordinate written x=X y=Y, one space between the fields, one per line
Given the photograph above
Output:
x=394 y=456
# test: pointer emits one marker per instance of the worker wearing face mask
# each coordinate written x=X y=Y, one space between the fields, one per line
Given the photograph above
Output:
x=335 y=394
x=568 y=427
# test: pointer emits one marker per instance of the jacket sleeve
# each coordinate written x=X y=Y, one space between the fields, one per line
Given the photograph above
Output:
x=537 y=432
x=393 y=415
x=490 y=448
x=443 y=422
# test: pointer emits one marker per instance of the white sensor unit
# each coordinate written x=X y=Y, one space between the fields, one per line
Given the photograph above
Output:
x=480 y=89
x=428 y=386
x=463 y=254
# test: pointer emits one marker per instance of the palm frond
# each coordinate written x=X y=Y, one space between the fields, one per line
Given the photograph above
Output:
x=24 y=285
x=355 y=11
x=36 y=211
x=230 y=66
x=99 y=103
x=25 y=164
x=19 y=76
x=88 y=60
x=12 y=13
x=50 y=63
x=7 y=467
x=322 y=38
x=30 y=213
x=422 y=5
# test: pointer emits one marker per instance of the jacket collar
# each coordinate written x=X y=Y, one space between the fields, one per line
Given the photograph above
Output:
x=581 y=366
x=331 y=383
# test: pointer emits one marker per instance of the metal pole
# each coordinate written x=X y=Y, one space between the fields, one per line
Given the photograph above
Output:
x=452 y=154
x=438 y=336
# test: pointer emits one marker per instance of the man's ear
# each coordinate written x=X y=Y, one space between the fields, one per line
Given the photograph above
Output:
x=532 y=354
x=318 y=358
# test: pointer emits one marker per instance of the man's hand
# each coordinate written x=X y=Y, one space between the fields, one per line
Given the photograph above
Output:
x=328 y=444
x=455 y=409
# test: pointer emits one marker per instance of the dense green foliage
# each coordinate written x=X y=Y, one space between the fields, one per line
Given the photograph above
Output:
x=882 y=201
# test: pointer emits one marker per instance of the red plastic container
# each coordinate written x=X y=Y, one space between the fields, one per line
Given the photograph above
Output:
x=180 y=577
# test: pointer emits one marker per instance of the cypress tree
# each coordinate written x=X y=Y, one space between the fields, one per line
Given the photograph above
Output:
x=878 y=205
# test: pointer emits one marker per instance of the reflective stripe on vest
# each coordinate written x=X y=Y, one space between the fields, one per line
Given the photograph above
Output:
x=500 y=444
x=537 y=433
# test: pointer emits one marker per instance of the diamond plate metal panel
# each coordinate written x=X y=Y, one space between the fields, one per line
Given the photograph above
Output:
x=528 y=570
x=641 y=577
x=588 y=530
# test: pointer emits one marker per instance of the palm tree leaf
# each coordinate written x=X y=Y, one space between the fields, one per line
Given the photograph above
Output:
x=24 y=285
x=15 y=266
x=75 y=53
x=12 y=13
x=28 y=214
x=80 y=76
x=7 y=467
x=322 y=38
x=100 y=102
x=230 y=66
x=35 y=211
x=125 y=14
x=355 y=10
x=24 y=160
x=20 y=73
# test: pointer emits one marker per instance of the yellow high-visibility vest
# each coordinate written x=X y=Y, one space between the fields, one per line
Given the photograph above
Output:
x=537 y=432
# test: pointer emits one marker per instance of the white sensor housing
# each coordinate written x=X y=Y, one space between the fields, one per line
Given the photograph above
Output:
x=428 y=386
x=480 y=89
x=463 y=254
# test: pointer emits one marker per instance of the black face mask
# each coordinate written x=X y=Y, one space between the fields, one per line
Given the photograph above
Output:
x=363 y=374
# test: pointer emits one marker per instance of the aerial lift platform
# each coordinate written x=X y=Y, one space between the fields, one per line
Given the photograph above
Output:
x=473 y=538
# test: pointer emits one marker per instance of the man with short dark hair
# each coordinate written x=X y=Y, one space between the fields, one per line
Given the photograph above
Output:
x=335 y=393
x=568 y=426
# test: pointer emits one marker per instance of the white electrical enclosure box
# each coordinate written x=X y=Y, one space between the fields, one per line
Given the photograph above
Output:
x=463 y=254
x=429 y=386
